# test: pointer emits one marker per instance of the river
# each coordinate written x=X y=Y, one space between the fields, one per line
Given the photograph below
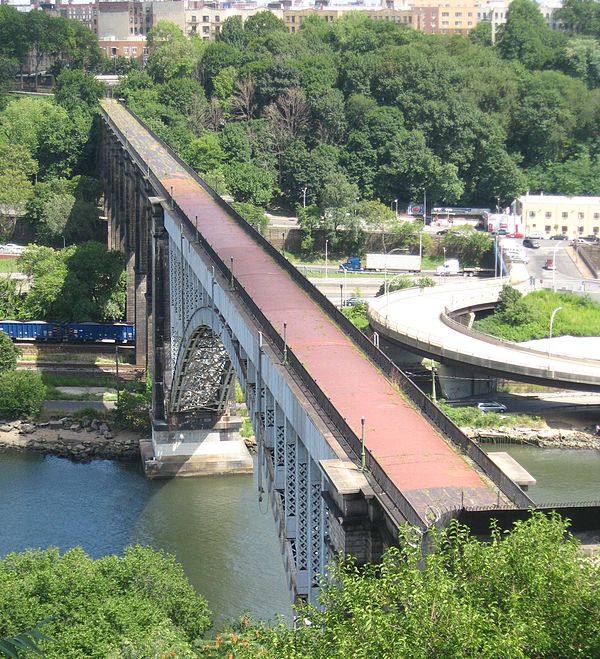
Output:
x=213 y=525
x=562 y=475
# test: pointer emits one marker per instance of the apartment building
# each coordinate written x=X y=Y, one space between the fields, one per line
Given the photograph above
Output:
x=206 y=19
x=131 y=48
x=548 y=215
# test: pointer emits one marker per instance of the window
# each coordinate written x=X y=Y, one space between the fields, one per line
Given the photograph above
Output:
x=444 y=22
x=293 y=19
x=547 y=228
x=548 y=214
x=134 y=50
x=193 y=19
x=217 y=19
x=580 y=229
x=113 y=51
x=125 y=50
x=445 y=13
x=457 y=14
x=564 y=229
x=205 y=19
x=564 y=215
x=580 y=216
x=595 y=230
x=206 y=29
x=293 y=29
x=596 y=216
x=531 y=213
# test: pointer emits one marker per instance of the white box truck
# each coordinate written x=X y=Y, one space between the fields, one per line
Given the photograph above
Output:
x=394 y=262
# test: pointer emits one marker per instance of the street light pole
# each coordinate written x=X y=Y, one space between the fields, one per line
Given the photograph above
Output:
x=326 y=263
x=551 y=326
x=304 y=189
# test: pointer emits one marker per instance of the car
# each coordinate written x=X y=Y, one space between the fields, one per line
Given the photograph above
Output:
x=491 y=406
x=559 y=236
x=535 y=236
x=593 y=239
x=532 y=244
x=583 y=241
x=516 y=234
x=550 y=265
x=500 y=232
x=353 y=301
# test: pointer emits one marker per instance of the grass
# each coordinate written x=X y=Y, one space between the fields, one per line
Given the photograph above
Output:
x=52 y=393
x=471 y=417
x=9 y=265
x=67 y=380
x=529 y=317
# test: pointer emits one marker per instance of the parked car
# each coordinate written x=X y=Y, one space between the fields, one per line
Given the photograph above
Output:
x=500 y=232
x=491 y=406
x=532 y=244
x=516 y=234
x=353 y=301
x=535 y=236
x=550 y=265
x=559 y=236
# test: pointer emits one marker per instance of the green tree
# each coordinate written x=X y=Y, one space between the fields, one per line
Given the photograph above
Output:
x=580 y=17
x=22 y=395
x=482 y=33
x=262 y=24
x=253 y=215
x=467 y=244
x=77 y=90
x=527 y=38
x=232 y=32
x=140 y=604
x=525 y=593
x=172 y=54
x=249 y=183
x=9 y=353
x=204 y=153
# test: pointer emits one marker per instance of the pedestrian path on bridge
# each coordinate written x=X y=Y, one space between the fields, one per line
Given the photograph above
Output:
x=420 y=462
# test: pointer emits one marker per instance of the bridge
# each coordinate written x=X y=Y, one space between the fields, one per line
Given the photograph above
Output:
x=348 y=447
x=431 y=322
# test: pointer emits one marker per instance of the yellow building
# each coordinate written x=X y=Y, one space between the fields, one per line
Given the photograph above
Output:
x=549 y=215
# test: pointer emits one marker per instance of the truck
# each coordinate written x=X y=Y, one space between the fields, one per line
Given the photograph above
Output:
x=452 y=267
x=393 y=262
x=353 y=264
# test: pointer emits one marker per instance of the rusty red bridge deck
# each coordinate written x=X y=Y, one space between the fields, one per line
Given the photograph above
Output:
x=414 y=455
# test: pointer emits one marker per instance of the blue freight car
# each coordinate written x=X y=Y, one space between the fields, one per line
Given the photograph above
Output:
x=99 y=333
x=68 y=332
x=32 y=330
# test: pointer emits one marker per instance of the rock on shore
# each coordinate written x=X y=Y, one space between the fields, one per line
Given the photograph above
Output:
x=542 y=437
x=78 y=440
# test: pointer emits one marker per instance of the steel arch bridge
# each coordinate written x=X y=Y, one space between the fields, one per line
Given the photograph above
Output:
x=348 y=448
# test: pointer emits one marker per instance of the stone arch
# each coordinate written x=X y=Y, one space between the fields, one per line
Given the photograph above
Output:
x=206 y=364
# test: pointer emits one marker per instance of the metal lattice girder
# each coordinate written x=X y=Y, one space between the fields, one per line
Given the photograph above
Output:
x=206 y=375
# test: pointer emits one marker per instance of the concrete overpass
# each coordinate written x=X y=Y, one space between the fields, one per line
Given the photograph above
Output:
x=433 y=322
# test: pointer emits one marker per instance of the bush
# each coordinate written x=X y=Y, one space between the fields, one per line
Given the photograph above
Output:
x=22 y=394
x=140 y=604
x=132 y=410
x=9 y=353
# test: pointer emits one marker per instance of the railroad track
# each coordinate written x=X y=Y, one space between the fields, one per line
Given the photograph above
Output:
x=126 y=371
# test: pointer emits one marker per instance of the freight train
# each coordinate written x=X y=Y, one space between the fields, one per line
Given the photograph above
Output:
x=59 y=332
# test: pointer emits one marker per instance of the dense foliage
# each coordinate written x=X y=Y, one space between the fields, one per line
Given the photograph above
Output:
x=523 y=318
x=9 y=353
x=132 y=410
x=82 y=282
x=471 y=417
x=22 y=394
x=138 y=605
x=527 y=593
x=354 y=111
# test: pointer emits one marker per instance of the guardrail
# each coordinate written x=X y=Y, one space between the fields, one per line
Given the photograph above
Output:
x=350 y=439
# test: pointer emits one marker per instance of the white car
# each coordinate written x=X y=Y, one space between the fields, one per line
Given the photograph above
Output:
x=491 y=406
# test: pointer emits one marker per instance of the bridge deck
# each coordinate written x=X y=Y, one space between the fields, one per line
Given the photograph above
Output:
x=421 y=463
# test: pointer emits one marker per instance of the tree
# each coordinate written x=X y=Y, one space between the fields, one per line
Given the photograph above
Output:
x=582 y=59
x=242 y=100
x=17 y=168
x=9 y=353
x=524 y=593
x=527 y=38
x=139 y=604
x=580 y=17
x=254 y=216
x=172 y=54
x=22 y=395
x=482 y=33
x=467 y=244
x=232 y=32
x=76 y=90
x=377 y=217
x=262 y=24
x=249 y=183
x=204 y=153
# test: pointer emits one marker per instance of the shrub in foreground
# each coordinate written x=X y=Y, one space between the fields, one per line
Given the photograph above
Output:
x=138 y=605
x=22 y=394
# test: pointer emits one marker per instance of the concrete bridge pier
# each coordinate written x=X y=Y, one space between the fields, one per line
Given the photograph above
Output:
x=456 y=383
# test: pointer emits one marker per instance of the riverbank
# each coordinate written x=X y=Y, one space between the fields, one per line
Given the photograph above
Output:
x=541 y=437
x=78 y=440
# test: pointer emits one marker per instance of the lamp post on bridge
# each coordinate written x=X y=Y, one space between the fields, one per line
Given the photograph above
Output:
x=551 y=326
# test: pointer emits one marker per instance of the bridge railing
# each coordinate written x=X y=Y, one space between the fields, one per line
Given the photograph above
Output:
x=376 y=356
